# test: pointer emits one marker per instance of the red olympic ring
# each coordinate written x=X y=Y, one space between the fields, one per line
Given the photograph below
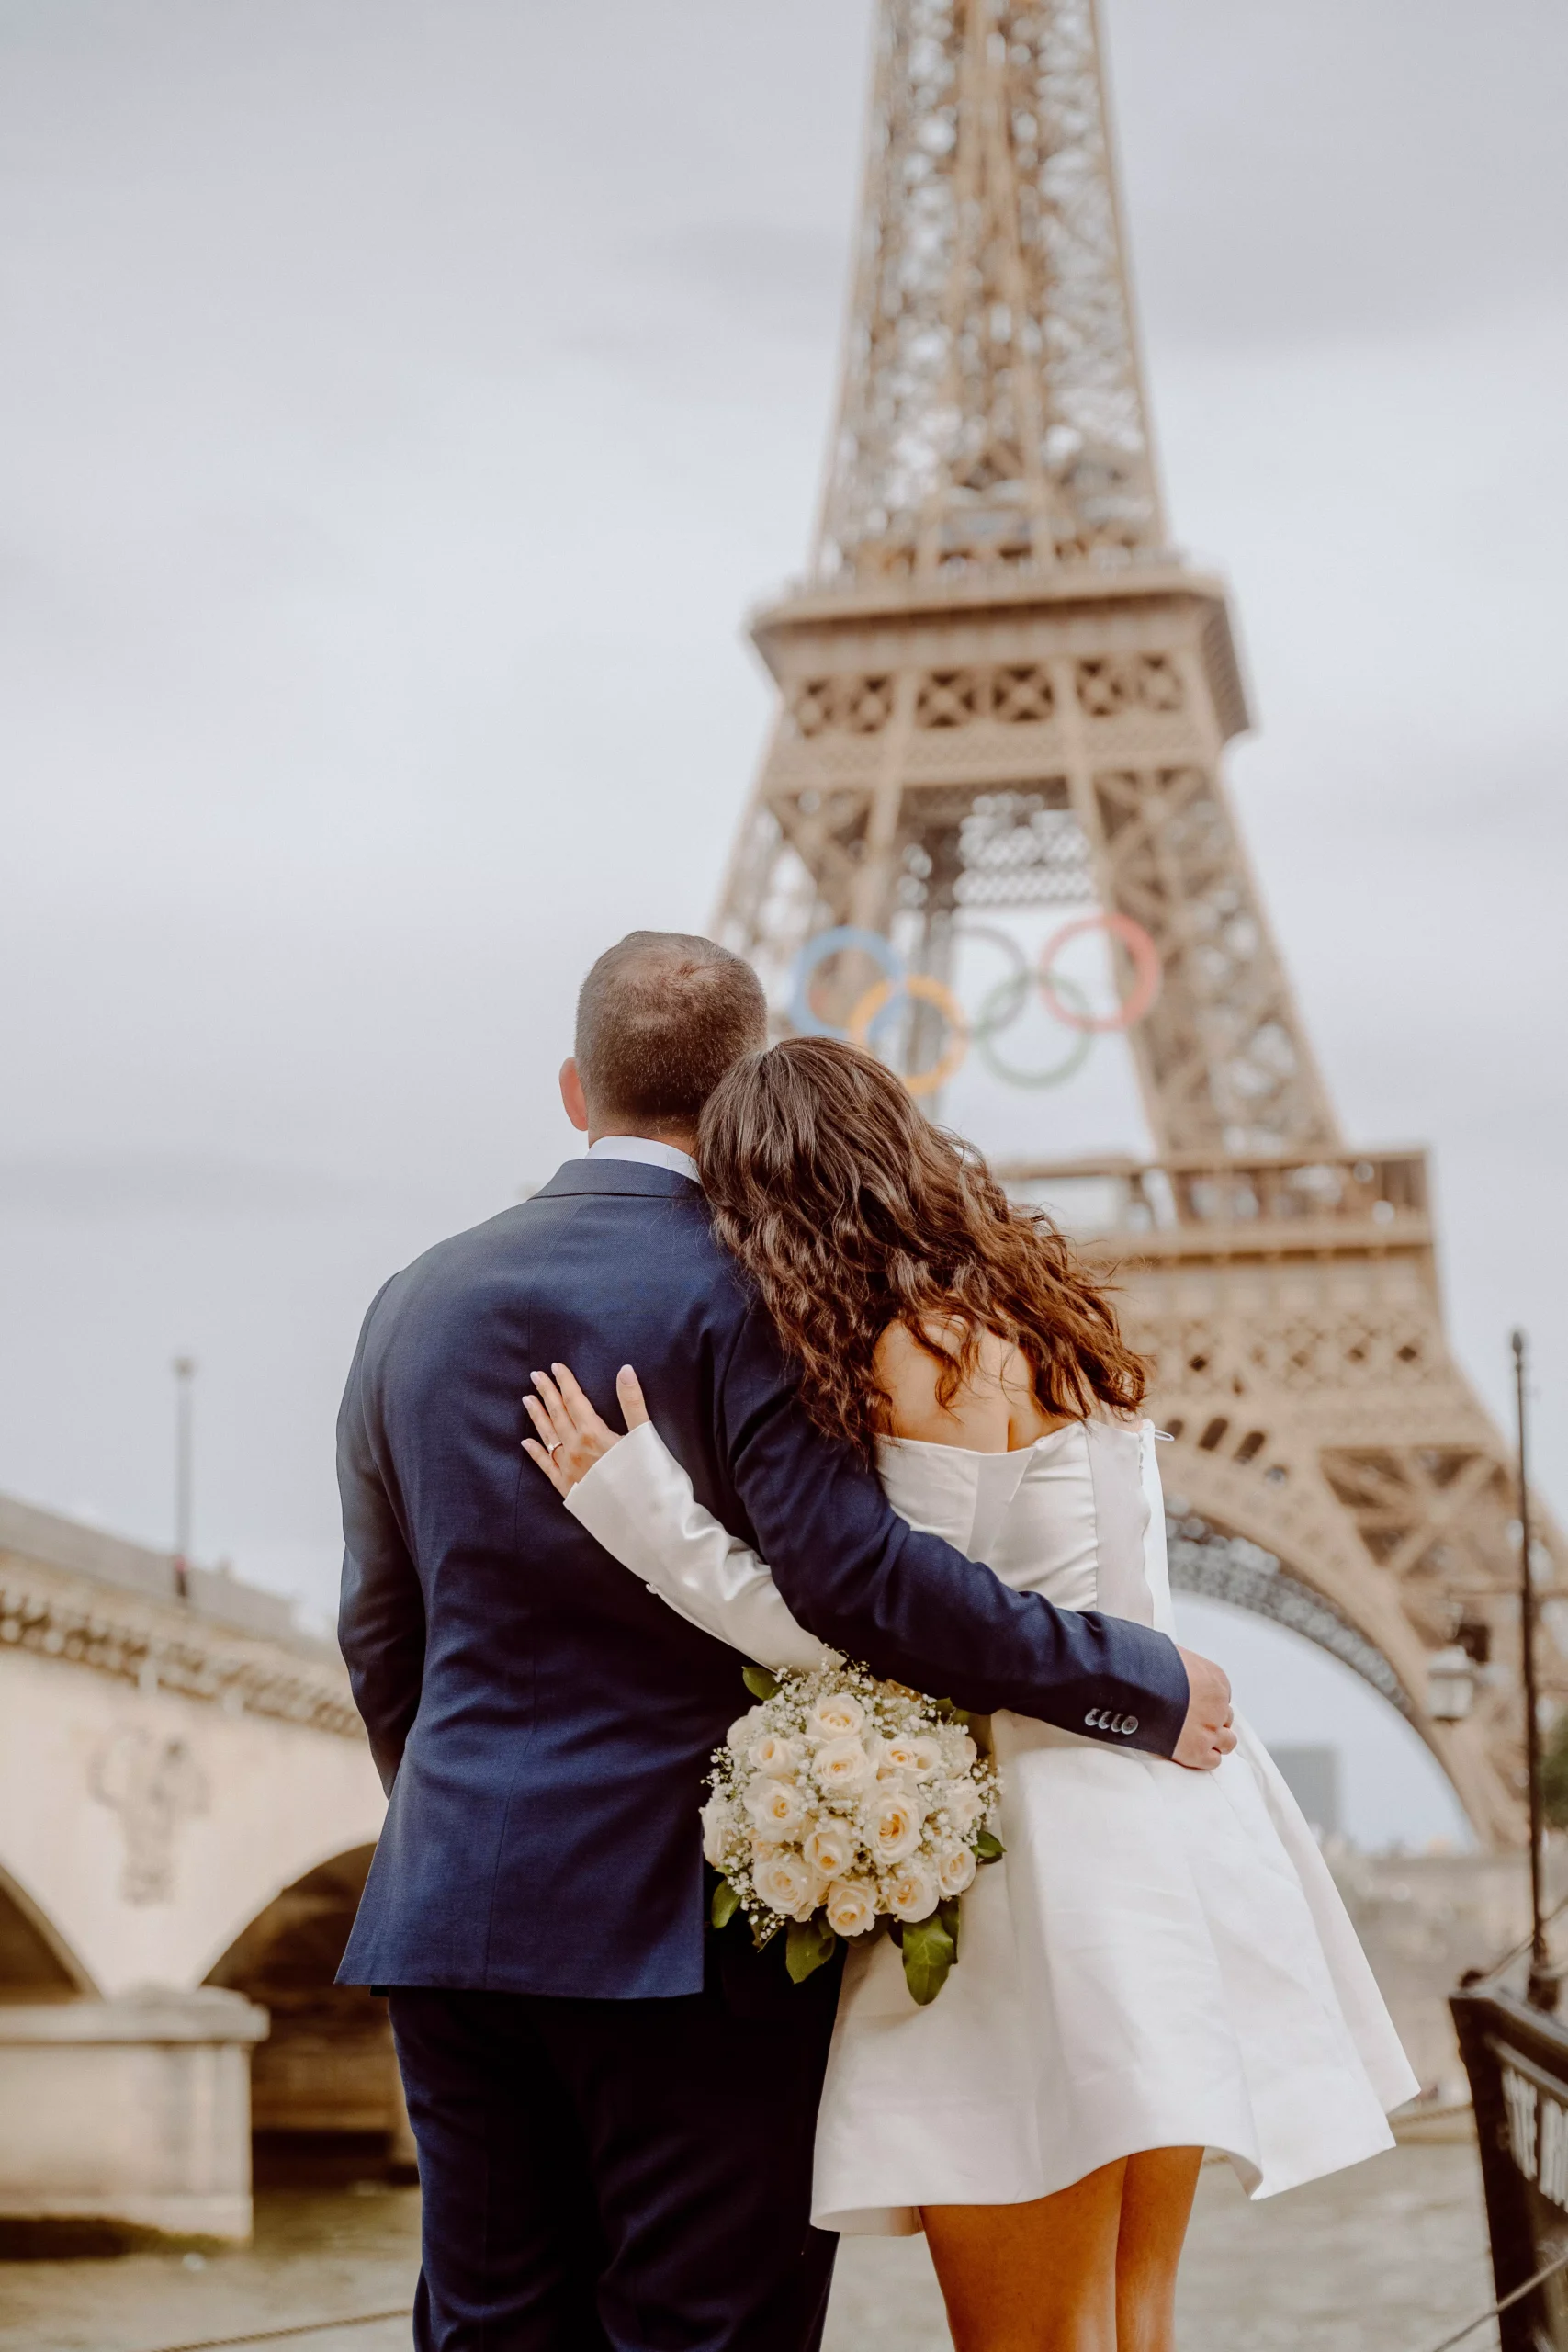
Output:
x=1147 y=972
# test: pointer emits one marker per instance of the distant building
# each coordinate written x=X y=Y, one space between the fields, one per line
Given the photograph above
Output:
x=1313 y=1774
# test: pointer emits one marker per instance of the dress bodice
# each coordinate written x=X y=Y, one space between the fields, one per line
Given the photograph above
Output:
x=1029 y=1514
x=1077 y=1517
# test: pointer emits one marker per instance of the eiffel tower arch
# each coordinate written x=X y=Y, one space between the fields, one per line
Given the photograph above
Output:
x=1003 y=691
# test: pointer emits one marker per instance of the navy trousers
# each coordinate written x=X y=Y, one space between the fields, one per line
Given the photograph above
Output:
x=619 y=2176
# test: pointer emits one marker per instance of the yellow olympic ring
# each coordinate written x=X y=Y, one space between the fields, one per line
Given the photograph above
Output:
x=920 y=984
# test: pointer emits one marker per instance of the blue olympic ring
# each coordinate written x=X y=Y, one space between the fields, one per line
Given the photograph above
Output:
x=882 y=952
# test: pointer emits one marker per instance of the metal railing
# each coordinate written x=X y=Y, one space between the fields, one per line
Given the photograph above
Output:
x=1189 y=1193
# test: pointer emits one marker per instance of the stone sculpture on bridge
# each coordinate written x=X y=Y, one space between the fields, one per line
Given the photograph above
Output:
x=154 y=1784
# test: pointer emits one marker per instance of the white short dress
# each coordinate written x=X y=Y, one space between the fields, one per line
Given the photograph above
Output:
x=1162 y=1959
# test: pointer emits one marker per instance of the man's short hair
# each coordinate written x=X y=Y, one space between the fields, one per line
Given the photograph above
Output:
x=660 y=1018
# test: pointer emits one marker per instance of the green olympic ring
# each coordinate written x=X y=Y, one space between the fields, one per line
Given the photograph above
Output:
x=1013 y=986
x=988 y=1021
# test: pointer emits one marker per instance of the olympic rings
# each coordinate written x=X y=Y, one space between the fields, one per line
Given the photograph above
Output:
x=1147 y=972
x=882 y=952
x=881 y=996
x=1072 y=1061
x=1003 y=1001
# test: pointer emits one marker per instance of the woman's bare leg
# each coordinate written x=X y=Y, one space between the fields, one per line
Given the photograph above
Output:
x=1157 y=2203
x=1035 y=2277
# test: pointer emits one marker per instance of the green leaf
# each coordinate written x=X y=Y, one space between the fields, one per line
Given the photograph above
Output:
x=988 y=1849
x=809 y=1943
x=726 y=1904
x=760 y=1682
x=929 y=1954
x=948 y=1914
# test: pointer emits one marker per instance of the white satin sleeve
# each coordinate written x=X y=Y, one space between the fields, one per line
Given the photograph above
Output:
x=637 y=1502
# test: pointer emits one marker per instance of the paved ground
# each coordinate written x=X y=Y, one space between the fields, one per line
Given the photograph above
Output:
x=1386 y=2258
x=1382 y=2259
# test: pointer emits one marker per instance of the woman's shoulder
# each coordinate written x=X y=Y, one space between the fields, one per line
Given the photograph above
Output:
x=973 y=1413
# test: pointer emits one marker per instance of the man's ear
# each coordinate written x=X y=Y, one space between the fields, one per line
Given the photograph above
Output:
x=572 y=1097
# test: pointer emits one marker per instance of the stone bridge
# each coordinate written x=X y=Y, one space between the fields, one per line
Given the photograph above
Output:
x=188 y=1810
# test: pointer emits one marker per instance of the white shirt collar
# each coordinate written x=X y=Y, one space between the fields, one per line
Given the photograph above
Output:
x=646 y=1150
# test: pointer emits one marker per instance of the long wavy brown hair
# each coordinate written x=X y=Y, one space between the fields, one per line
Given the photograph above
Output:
x=849 y=1212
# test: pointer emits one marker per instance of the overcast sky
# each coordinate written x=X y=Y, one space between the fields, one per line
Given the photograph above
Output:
x=402 y=401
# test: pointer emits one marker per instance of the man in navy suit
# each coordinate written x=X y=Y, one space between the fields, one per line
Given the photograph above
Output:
x=614 y=2105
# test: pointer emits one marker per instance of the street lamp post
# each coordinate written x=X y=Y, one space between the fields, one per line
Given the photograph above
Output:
x=184 y=1373
x=1542 y=1986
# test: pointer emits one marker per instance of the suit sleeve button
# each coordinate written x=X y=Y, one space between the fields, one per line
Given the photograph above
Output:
x=1131 y=1726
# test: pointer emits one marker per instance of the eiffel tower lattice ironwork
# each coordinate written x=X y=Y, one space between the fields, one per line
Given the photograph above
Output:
x=1000 y=687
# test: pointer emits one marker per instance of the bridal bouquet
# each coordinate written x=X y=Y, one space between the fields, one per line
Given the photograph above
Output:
x=842 y=1806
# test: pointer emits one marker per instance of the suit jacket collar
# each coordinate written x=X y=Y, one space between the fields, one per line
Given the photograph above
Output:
x=633 y=1176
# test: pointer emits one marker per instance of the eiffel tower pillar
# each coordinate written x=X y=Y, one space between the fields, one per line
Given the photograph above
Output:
x=1001 y=688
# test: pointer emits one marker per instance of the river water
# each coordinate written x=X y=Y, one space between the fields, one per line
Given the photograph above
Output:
x=1382 y=2259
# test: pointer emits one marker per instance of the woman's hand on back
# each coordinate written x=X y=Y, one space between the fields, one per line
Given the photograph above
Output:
x=571 y=1437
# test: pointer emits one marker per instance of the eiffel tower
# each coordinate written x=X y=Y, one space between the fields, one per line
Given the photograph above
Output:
x=1001 y=689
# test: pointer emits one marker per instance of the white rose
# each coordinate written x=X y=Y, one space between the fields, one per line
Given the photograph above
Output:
x=916 y=1752
x=958 y=1748
x=851 y=1907
x=785 y=1883
x=776 y=1807
x=837 y=1716
x=955 y=1870
x=830 y=1848
x=718 y=1829
x=894 y=1829
x=774 y=1753
x=963 y=1804
x=911 y=1892
x=742 y=1733
x=843 y=1767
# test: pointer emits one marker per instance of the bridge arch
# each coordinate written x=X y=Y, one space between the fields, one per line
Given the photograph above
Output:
x=316 y=1850
x=36 y=1962
x=324 y=2084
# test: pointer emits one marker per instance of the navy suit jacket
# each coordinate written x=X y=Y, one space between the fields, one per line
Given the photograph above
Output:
x=543 y=1723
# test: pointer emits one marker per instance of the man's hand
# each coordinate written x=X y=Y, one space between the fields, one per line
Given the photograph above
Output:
x=1206 y=1735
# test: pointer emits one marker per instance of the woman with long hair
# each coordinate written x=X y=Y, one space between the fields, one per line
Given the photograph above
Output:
x=1161 y=1963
